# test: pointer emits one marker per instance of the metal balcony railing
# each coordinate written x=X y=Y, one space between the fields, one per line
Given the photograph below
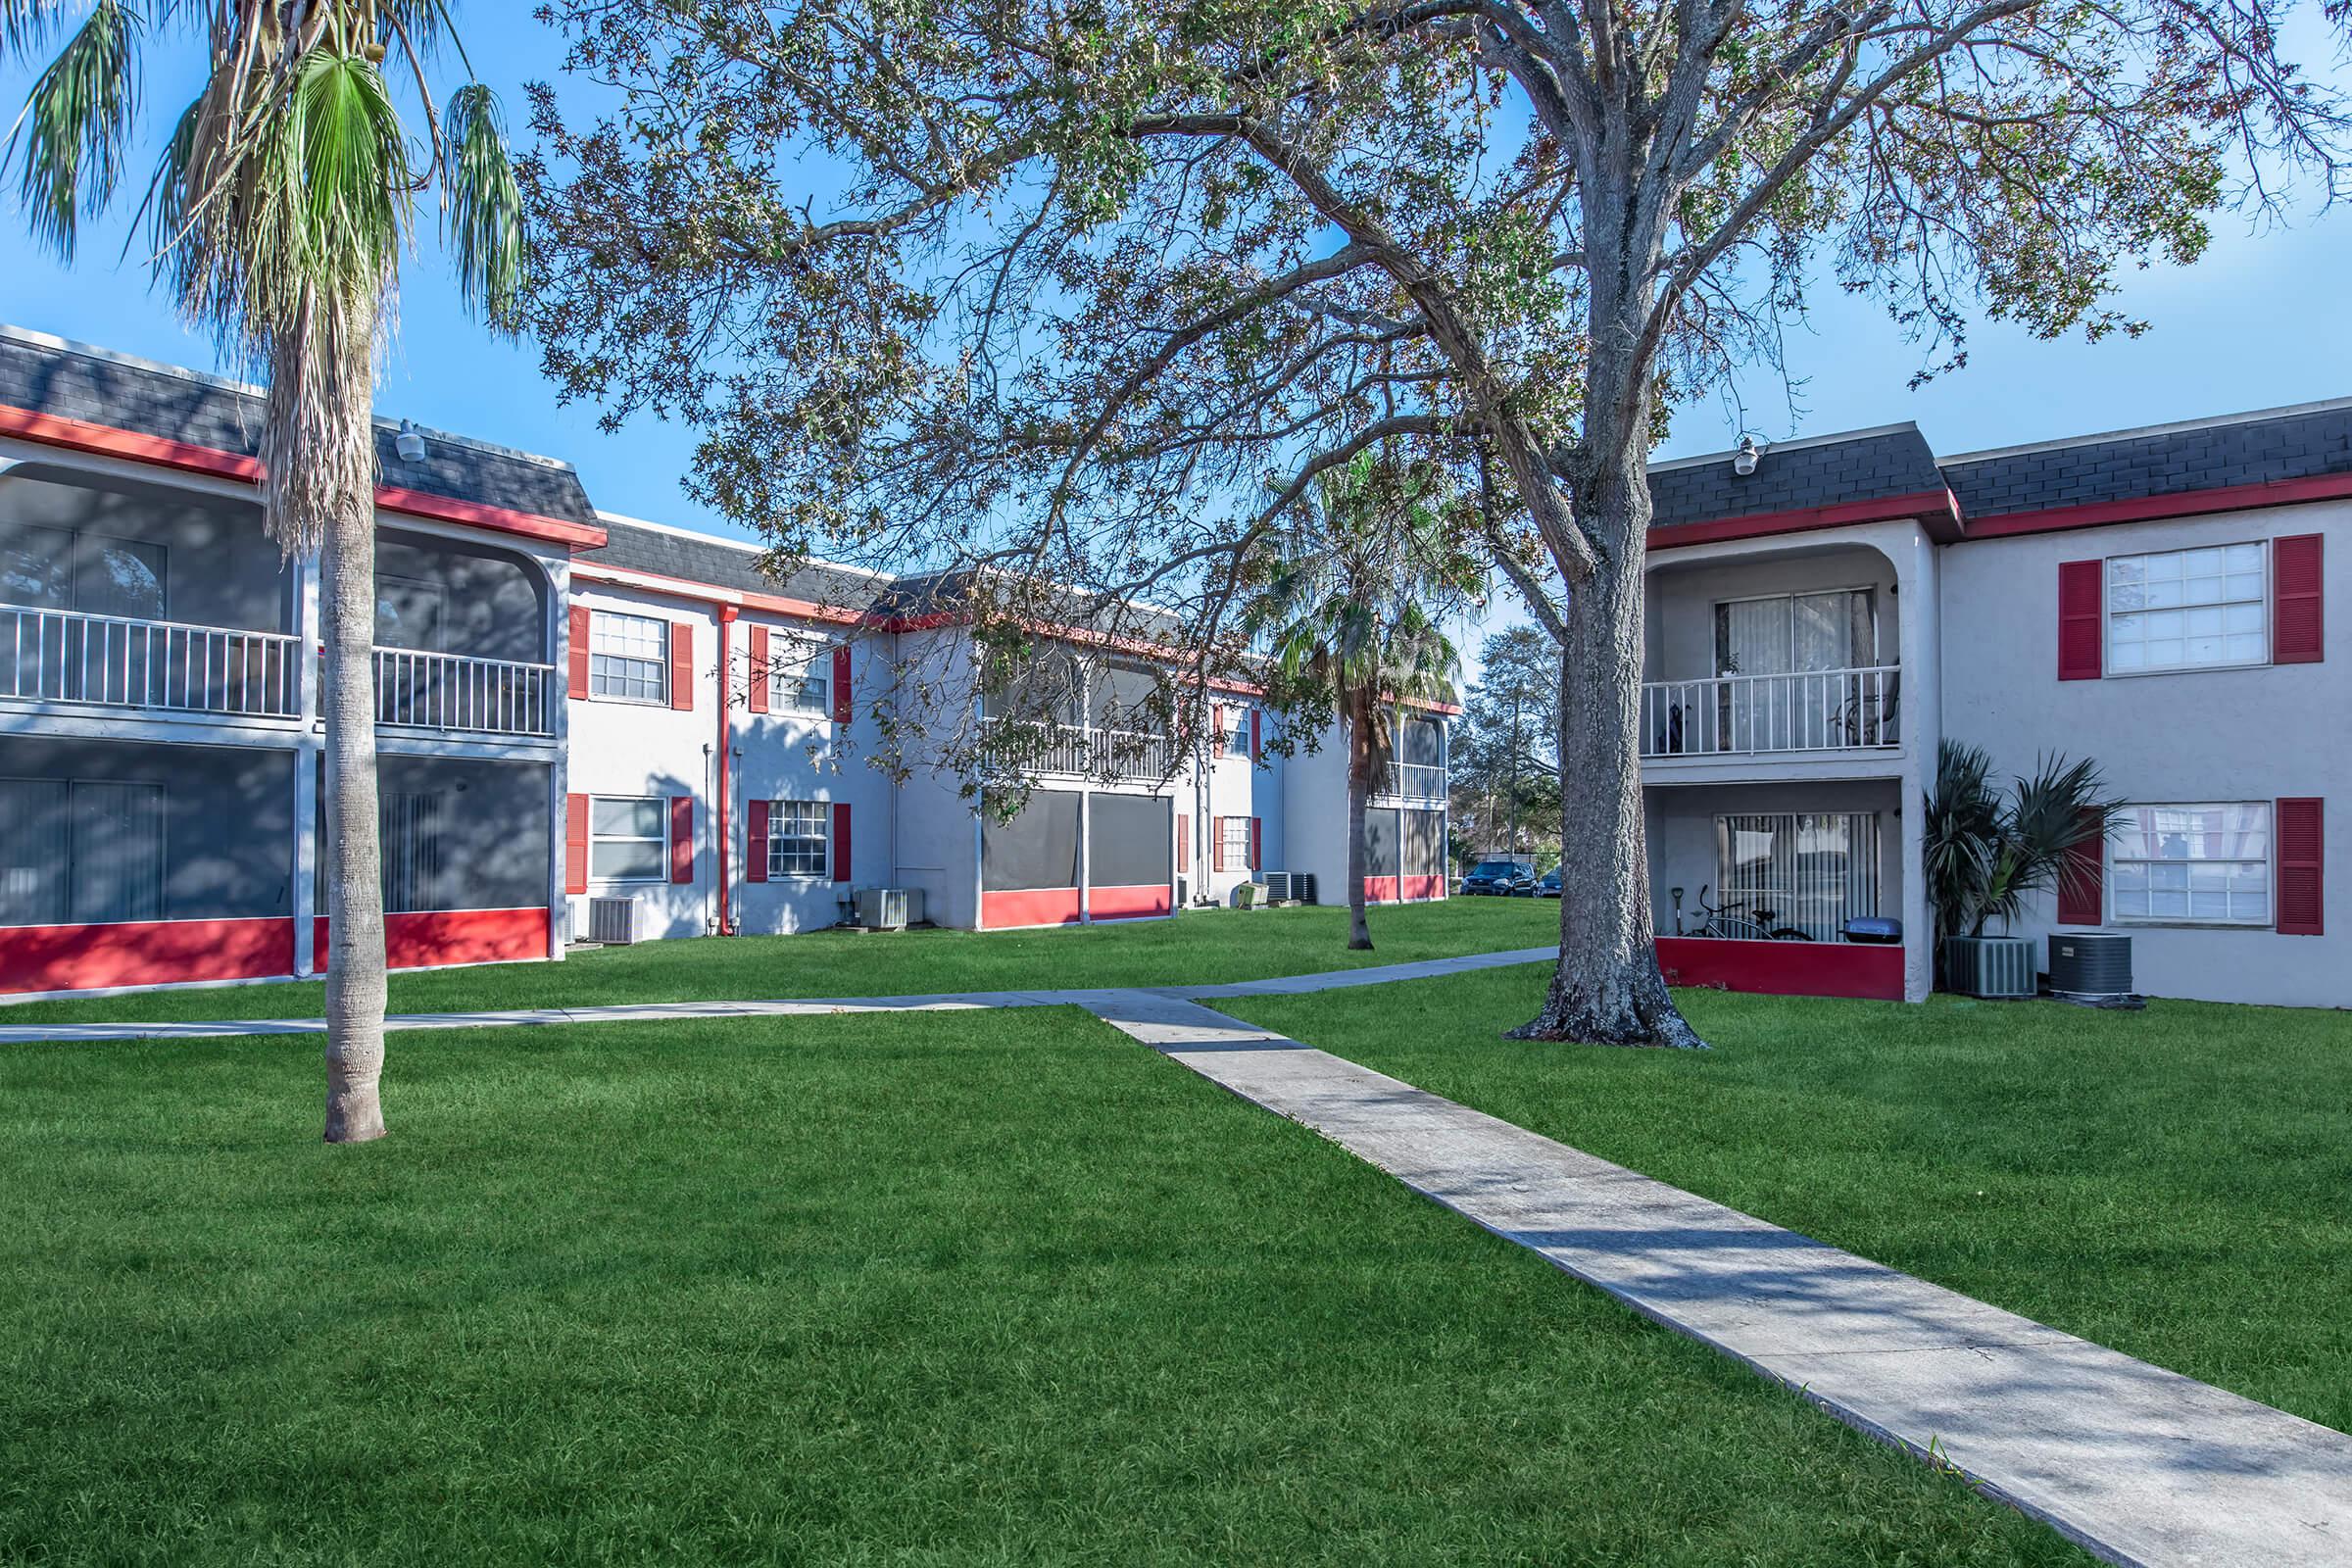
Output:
x=457 y=692
x=1807 y=711
x=1080 y=749
x=159 y=666
x=1414 y=781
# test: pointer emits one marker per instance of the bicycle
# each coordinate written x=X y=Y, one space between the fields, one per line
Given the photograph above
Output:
x=1726 y=920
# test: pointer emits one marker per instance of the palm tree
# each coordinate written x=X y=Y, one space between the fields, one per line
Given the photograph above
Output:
x=1985 y=854
x=276 y=216
x=1346 y=608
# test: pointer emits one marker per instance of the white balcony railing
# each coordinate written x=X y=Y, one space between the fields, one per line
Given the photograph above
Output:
x=1414 y=781
x=1081 y=749
x=60 y=657
x=1808 y=710
x=454 y=691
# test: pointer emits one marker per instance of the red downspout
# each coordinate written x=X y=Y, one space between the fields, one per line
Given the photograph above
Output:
x=726 y=666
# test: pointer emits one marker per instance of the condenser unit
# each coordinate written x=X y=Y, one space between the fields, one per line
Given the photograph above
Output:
x=890 y=908
x=613 y=921
x=2091 y=966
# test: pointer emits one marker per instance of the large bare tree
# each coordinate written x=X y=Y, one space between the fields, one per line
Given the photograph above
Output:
x=1062 y=286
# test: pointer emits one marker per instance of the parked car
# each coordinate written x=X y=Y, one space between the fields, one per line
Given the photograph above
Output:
x=1547 y=886
x=1502 y=879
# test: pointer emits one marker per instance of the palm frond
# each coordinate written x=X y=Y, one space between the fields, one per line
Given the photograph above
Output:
x=77 y=122
x=481 y=209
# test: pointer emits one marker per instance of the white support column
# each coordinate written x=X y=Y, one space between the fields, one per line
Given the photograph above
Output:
x=1921 y=719
x=559 y=772
x=304 y=858
x=1086 y=853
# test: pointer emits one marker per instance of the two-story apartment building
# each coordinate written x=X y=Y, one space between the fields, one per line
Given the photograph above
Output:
x=574 y=711
x=2152 y=599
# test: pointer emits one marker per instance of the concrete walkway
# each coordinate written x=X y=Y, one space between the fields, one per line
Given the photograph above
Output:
x=2138 y=1464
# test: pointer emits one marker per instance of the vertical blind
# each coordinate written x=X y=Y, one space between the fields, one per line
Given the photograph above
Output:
x=80 y=850
x=1813 y=870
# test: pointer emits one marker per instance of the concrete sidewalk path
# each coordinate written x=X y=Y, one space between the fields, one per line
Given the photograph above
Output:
x=776 y=1008
x=2137 y=1464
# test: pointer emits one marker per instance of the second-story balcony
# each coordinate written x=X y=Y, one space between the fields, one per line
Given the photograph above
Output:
x=1080 y=749
x=1804 y=710
x=160 y=667
x=1414 y=781
x=420 y=690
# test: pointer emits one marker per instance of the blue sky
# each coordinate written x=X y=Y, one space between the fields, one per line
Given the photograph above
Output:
x=2266 y=319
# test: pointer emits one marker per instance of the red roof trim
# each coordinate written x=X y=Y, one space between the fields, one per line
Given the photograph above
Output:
x=713 y=594
x=1935 y=511
x=105 y=440
x=2178 y=504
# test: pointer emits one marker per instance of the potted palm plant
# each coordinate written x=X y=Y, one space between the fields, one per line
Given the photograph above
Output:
x=1988 y=850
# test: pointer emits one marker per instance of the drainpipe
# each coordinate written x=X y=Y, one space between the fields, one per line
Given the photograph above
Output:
x=726 y=666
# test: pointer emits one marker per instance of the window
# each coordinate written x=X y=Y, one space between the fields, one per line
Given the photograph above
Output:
x=2202 y=864
x=1813 y=871
x=628 y=839
x=2187 y=609
x=94 y=574
x=409 y=613
x=81 y=852
x=802 y=687
x=409 y=829
x=1236 y=833
x=1797 y=633
x=629 y=657
x=799 y=838
x=1237 y=737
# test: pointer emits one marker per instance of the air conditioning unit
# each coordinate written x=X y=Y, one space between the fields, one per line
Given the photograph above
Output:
x=890 y=908
x=2091 y=966
x=613 y=921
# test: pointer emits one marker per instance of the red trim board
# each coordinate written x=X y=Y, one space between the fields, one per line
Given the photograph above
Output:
x=1009 y=908
x=1936 y=511
x=1382 y=889
x=1130 y=903
x=427 y=939
x=1783 y=969
x=105 y=440
x=144 y=952
x=2178 y=504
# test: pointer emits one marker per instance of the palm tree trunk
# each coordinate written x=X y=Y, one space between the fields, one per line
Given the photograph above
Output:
x=1359 y=751
x=334 y=482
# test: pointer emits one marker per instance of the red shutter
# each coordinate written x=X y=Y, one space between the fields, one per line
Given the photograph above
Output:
x=1183 y=859
x=1216 y=728
x=681 y=664
x=841 y=685
x=578 y=638
x=681 y=838
x=2082 y=892
x=1216 y=843
x=1257 y=859
x=2302 y=884
x=575 y=843
x=2079 y=655
x=1253 y=734
x=756 y=690
x=841 y=841
x=754 y=842
x=2298 y=624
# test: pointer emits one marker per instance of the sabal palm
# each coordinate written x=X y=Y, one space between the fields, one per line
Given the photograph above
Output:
x=276 y=216
x=1350 y=607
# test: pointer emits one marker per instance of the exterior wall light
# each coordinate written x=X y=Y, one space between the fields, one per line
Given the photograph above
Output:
x=1744 y=461
x=409 y=443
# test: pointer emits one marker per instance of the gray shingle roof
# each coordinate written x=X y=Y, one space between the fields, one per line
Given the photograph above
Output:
x=2292 y=444
x=1867 y=465
x=46 y=375
x=723 y=563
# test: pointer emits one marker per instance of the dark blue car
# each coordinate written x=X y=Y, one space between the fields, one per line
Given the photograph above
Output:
x=1500 y=878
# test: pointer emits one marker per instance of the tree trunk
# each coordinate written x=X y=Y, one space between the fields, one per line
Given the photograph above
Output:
x=1359 y=751
x=341 y=355
x=1606 y=988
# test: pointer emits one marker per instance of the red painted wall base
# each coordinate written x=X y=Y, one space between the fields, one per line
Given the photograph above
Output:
x=1130 y=903
x=1404 y=889
x=1783 y=969
x=143 y=953
x=429 y=938
x=1028 y=907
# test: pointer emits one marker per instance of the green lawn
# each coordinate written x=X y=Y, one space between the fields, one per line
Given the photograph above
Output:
x=1201 y=947
x=2175 y=1183
x=999 y=1288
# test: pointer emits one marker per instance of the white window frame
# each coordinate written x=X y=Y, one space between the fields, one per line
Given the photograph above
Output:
x=660 y=841
x=2125 y=835
x=788 y=684
x=1237 y=844
x=2262 y=598
x=602 y=622
x=779 y=842
x=1237 y=740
